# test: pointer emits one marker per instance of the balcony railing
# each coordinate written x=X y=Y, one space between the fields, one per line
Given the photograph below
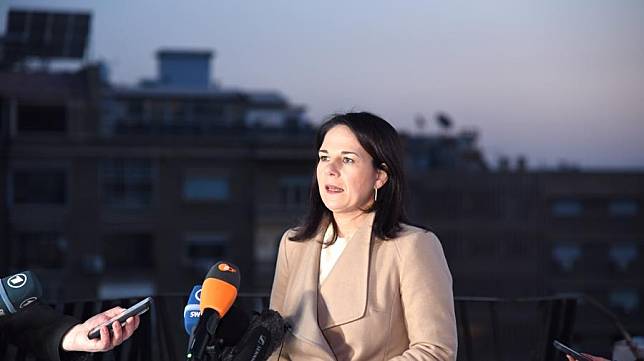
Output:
x=488 y=328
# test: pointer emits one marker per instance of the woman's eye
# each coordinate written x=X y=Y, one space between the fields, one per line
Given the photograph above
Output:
x=324 y=158
x=347 y=160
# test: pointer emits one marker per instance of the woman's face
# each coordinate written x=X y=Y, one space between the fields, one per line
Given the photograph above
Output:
x=345 y=172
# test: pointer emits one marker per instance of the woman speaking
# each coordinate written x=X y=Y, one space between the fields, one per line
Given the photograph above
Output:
x=355 y=281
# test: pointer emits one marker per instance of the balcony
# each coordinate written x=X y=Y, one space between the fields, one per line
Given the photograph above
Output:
x=488 y=328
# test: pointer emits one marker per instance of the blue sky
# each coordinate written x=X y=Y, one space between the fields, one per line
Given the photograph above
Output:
x=553 y=80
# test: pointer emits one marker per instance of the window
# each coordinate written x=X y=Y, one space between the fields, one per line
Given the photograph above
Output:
x=128 y=251
x=41 y=119
x=40 y=250
x=626 y=300
x=93 y=263
x=114 y=289
x=39 y=186
x=205 y=188
x=565 y=255
x=265 y=118
x=203 y=249
x=622 y=255
x=566 y=208
x=623 y=208
x=177 y=111
x=294 y=190
x=127 y=183
x=207 y=113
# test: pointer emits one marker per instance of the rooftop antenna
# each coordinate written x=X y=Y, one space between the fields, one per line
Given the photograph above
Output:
x=421 y=122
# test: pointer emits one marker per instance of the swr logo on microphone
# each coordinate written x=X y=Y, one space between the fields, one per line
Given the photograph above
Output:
x=224 y=267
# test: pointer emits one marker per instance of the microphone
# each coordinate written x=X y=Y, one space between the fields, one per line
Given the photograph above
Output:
x=18 y=291
x=218 y=293
x=192 y=312
x=231 y=327
x=264 y=335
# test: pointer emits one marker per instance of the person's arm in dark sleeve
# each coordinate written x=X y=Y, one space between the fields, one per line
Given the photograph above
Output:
x=40 y=330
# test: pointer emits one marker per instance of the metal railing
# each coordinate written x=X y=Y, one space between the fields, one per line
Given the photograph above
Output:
x=509 y=329
x=488 y=328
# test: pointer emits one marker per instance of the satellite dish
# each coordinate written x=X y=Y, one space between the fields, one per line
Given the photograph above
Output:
x=444 y=120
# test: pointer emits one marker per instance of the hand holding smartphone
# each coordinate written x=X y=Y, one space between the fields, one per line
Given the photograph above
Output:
x=569 y=351
x=138 y=309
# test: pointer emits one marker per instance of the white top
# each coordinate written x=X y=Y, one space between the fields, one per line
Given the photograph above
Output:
x=330 y=254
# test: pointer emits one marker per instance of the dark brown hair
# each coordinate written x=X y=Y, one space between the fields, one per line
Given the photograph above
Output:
x=382 y=143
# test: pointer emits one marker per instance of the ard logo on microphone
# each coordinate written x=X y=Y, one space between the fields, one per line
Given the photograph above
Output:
x=17 y=280
x=224 y=267
x=27 y=302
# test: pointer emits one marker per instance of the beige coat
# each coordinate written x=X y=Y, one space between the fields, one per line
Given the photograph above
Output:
x=383 y=300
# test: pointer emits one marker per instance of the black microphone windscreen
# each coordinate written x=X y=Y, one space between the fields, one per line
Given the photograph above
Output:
x=18 y=291
x=232 y=326
x=265 y=334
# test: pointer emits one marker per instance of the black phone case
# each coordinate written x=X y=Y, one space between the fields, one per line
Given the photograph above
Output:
x=137 y=309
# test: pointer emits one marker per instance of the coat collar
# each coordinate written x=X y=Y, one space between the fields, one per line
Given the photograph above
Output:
x=300 y=302
x=312 y=309
x=349 y=276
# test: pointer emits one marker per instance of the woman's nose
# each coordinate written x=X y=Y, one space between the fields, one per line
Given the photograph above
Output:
x=332 y=168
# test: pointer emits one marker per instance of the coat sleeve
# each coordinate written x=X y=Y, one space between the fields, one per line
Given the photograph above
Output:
x=40 y=330
x=280 y=280
x=278 y=292
x=427 y=299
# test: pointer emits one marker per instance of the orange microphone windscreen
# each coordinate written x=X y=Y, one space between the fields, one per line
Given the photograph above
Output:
x=219 y=289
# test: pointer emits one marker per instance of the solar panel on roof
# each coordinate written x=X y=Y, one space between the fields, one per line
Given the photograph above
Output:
x=46 y=34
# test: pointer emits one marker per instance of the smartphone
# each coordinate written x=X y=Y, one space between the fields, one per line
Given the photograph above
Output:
x=567 y=350
x=139 y=308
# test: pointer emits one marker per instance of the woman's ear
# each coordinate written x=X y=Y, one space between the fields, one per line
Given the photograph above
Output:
x=382 y=176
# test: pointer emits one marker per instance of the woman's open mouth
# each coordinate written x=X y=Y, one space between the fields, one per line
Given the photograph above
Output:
x=333 y=189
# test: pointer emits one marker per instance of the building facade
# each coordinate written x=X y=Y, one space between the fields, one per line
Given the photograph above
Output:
x=113 y=191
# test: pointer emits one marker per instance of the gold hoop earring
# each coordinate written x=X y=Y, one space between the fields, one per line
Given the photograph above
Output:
x=375 y=194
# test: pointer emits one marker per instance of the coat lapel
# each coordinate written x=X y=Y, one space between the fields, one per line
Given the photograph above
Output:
x=343 y=295
x=302 y=297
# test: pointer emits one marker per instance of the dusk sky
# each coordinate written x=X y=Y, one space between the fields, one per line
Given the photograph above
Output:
x=552 y=80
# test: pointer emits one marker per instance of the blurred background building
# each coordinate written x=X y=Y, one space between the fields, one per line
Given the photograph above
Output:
x=113 y=191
